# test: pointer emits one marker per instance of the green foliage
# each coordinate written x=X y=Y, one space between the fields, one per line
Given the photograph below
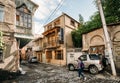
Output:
x=112 y=15
x=111 y=10
x=81 y=20
x=77 y=38
x=94 y=23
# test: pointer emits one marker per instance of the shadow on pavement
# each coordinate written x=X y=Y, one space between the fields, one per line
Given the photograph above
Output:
x=109 y=70
x=7 y=75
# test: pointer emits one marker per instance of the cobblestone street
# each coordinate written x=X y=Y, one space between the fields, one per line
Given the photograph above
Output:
x=45 y=73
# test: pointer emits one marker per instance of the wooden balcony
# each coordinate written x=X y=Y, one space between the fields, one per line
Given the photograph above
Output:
x=54 y=29
x=52 y=44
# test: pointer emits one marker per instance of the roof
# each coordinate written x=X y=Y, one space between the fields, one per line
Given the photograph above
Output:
x=26 y=2
x=61 y=16
x=34 y=3
x=111 y=24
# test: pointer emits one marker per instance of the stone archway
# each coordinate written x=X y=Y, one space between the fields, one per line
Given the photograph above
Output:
x=97 y=45
x=96 y=40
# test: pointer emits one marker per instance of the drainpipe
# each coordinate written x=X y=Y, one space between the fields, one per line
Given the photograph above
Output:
x=65 y=43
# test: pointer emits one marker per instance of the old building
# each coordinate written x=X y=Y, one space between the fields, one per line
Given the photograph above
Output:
x=8 y=55
x=94 y=42
x=57 y=38
x=25 y=10
x=38 y=49
x=15 y=30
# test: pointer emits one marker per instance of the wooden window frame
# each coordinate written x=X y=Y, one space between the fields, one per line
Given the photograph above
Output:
x=25 y=19
x=72 y=22
x=59 y=56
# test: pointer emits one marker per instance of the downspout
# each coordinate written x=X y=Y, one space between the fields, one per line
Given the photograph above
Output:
x=65 y=43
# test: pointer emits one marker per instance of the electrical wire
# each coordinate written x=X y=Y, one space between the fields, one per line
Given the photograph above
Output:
x=53 y=13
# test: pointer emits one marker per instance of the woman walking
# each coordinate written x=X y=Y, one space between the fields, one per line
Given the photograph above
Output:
x=80 y=68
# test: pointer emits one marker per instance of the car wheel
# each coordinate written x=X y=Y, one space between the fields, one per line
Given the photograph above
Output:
x=71 y=67
x=93 y=69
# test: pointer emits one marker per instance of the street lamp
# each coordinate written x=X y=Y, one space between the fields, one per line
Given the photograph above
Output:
x=106 y=37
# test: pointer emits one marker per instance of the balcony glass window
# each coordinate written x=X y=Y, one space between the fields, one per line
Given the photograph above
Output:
x=24 y=17
x=1 y=13
x=17 y=19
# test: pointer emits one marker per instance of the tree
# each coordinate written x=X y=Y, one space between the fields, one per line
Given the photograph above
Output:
x=76 y=38
x=86 y=27
x=81 y=20
x=111 y=10
x=112 y=15
x=76 y=35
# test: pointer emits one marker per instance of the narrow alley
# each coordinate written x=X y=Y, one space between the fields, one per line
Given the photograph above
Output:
x=45 y=73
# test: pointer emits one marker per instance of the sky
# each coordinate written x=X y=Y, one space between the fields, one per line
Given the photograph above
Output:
x=71 y=7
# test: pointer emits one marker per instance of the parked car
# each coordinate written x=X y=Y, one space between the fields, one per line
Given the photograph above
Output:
x=33 y=59
x=92 y=63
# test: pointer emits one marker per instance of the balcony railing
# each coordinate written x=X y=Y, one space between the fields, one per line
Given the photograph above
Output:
x=37 y=48
x=23 y=30
x=52 y=44
x=52 y=27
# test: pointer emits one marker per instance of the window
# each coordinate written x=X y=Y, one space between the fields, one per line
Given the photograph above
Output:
x=17 y=17
x=94 y=57
x=25 y=20
x=29 y=21
x=72 y=23
x=57 y=22
x=1 y=13
x=83 y=57
x=24 y=17
x=49 y=55
x=49 y=26
x=59 y=55
x=61 y=36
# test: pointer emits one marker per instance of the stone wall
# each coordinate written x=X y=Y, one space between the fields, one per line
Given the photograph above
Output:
x=97 y=38
x=10 y=54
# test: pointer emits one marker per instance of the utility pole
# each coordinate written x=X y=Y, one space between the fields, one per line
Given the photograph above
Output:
x=106 y=37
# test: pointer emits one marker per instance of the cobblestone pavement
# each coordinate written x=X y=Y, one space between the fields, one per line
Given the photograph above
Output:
x=45 y=73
